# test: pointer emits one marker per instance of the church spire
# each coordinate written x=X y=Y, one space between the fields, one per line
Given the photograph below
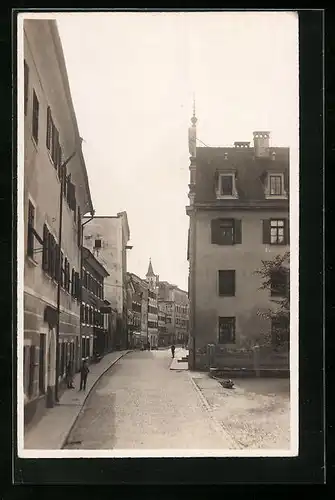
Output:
x=192 y=133
x=150 y=270
x=194 y=118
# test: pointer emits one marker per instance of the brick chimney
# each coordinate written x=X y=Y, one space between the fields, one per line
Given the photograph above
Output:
x=261 y=143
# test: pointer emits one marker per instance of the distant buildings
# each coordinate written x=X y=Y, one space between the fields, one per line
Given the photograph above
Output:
x=137 y=310
x=173 y=305
x=107 y=239
x=158 y=312
x=53 y=161
x=94 y=334
x=239 y=216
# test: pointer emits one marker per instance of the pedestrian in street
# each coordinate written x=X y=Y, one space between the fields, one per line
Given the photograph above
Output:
x=148 y=346
x=83 y=375
x=173 y=348
x=69 y=375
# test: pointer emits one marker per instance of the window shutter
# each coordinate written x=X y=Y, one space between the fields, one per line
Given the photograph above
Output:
x=73 y=282
x=215 y=230
x=55 y=143
x=78 y=281
x=237 y=231
x=45 y=256
x=266 y=231
x=79 y=235
x=66 y=274
x=48 y=136
x=286 y=231
x=72 y=196
x=56 y=268
x=62 y=269
x=216 y=181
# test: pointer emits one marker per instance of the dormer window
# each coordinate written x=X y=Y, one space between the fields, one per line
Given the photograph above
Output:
x=275 y=186
x=226 y=186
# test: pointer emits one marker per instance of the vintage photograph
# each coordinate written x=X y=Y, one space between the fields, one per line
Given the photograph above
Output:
x=158 y=234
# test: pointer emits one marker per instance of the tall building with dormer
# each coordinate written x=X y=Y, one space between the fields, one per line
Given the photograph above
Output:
x=239 y=216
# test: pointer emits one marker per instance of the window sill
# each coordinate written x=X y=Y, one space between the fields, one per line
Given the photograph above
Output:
x=32 y=261
x=276 y=197
x=226 y=196
x=224 y=244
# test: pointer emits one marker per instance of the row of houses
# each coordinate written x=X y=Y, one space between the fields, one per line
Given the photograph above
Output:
x=75 y=264
x=158 y=311
x=238 y=217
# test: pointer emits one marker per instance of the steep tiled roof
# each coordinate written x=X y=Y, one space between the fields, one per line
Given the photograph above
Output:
x=250 y=171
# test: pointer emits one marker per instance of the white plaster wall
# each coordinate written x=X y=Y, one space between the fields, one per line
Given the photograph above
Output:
x=109 y=230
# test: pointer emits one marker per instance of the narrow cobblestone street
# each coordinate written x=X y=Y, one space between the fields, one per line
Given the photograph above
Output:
x=141 y=404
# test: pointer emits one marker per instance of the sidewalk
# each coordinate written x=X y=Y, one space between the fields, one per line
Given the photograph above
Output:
x=52 y=430
x=177 y=365
x=255 y=413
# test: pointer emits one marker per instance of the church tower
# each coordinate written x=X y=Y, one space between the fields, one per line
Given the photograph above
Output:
x=152 y=278
x=192 y=146
x=152 y=329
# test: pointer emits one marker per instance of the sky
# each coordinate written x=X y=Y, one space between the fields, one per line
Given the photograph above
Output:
x=132 y=78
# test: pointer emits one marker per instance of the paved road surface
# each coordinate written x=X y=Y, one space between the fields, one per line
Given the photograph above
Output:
x=141 y=404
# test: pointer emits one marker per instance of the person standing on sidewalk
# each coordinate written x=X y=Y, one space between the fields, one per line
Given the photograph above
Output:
x=173 y=348
x=69 y=375
x=83 y=375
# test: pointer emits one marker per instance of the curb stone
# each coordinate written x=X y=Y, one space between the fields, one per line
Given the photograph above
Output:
x=86 y=397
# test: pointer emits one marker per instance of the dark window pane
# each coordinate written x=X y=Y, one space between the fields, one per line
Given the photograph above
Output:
x=35 y=117
x=31 y=225
x=227 y=283
x=279 y=283
x=226 y=184
x=226 y=330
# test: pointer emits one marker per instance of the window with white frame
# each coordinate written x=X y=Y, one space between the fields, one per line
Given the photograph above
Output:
x=275 y=186
x=226 y=186
x=277 y=234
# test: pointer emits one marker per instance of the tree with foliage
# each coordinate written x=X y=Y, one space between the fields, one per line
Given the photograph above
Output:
x=275 y=277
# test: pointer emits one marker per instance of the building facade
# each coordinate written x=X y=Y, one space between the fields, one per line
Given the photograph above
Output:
x=152 y=321
x=239 y=217
x=107 y=238
x=52 y=155
x=173 y=304
x=136 y=291
x=180 y=316
x=94 y=334
x=164 y=339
